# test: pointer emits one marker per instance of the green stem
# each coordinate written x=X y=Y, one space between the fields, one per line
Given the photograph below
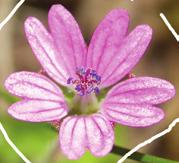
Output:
x=137 y=156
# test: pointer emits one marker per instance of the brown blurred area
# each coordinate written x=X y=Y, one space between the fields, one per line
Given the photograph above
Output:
x=161 y=59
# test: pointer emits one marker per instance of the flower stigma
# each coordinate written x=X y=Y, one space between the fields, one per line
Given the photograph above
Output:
x=87 y=82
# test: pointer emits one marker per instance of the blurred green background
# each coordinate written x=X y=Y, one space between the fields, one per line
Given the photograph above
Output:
x=38 y=141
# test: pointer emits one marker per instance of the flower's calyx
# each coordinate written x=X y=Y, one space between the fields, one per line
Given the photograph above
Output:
x=87 y=83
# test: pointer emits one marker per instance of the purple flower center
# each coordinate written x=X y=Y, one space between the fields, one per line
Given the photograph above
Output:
x=87 y=82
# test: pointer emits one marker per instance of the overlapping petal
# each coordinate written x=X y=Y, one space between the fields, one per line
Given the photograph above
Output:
x=67 y=37
x=43 y=46
x=111 y=53
x=29 y=85
x=38 y=111
x=136 y=115
x=80 y=132
x=141 y=90
x=42 y=99
x=106 y=40
x=130 y=102
x=127 y=56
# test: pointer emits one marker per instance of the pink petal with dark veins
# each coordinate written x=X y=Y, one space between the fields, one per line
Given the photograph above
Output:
x=100 y=135
x=43 y=46
x=67 y=38
x=130 y=102
x=135 y=115
x=127 y=55
x=29 y=85
x=93 y=132
x=106 y=40
x=141 y=90
x=38 y=111
x=72 y=137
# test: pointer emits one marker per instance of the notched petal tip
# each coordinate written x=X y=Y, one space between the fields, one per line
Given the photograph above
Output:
x=78 y=133
x=67 y=38
x=44 y=49
x=55 y=7
x=100 y=135
x=30 y=24
x=145 y=31
x=145 y=27
x=131 y=50
x=119 y=12
x=106 y=41
x=57 y=10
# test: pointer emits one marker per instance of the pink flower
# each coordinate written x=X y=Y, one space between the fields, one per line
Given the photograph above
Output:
x=62 y=52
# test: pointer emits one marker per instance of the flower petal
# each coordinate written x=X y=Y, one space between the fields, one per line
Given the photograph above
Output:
x=72 y=137
x=135 y=115
x=107 y=39
x=80 y=132
x=127 y=55
x=100 y=135
x=45 y=50
x=31 y=85
x=141 y=90
x=38 y=111
x=67 y=37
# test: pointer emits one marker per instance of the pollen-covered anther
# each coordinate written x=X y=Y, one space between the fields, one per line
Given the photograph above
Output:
x=87 y=82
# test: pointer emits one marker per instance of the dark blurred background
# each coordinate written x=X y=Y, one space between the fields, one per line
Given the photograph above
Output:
x=39 y=141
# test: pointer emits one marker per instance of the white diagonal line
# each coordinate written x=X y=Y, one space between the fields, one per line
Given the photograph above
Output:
x=1 y=126
x=12 y=144
x=169 y=26
x=11 y=13
x=150 y=140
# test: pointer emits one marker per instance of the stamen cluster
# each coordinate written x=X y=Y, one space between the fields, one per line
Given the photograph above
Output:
x=88 y=81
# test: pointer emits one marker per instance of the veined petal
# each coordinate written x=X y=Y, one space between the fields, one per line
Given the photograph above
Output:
x=106 y=40
x=29 y=85
x=135 y=115
x=80 y=132
x=45 y=50
x=67 y=37
x=140 y=90
x=100 y=135
x=72 y=137
x=127 y=55
x=38 y=111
